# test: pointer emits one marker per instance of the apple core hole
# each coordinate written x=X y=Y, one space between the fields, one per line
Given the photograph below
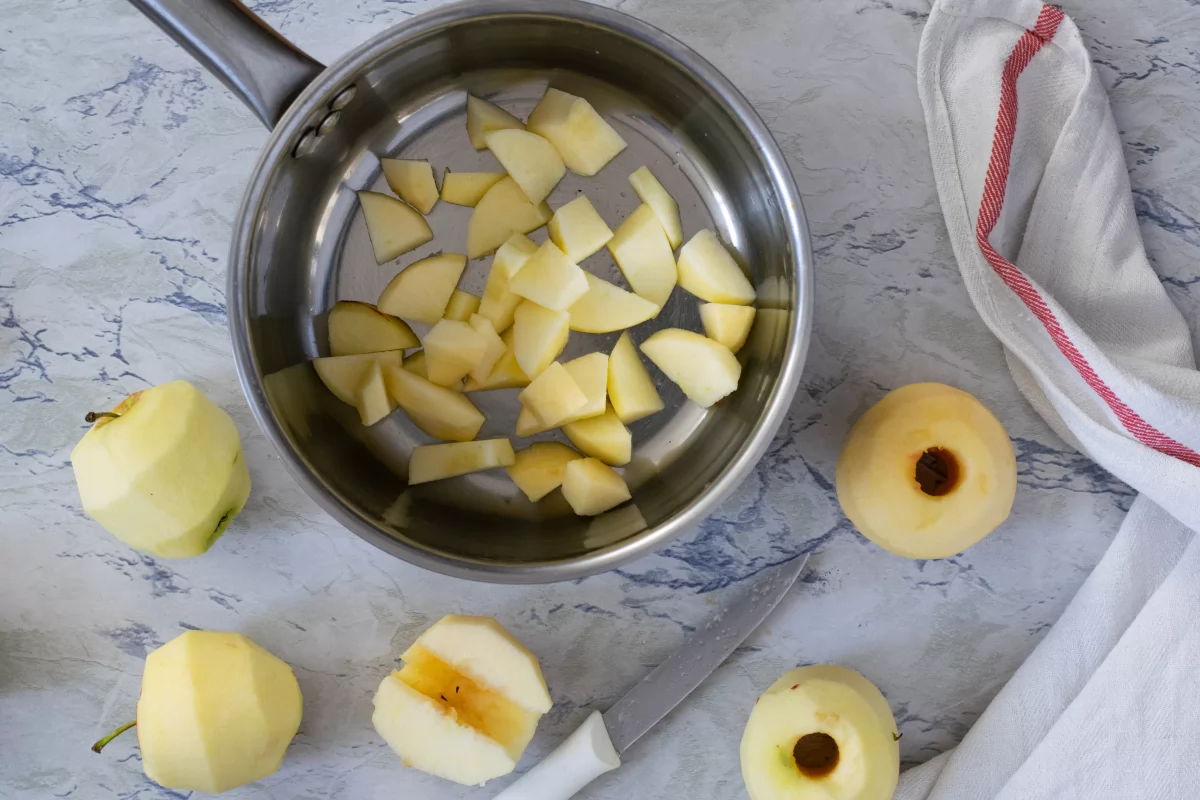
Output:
x=816 y=754
x=937 y=472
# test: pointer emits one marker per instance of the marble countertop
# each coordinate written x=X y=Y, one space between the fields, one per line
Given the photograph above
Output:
x=121 y=166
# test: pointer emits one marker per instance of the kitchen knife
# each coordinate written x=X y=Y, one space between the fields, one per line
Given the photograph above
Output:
x=593 y=748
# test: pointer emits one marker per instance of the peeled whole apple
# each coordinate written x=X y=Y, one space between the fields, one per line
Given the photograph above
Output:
x=216 y=712
x=163 y=471
x=821 y=733
x=927 y=472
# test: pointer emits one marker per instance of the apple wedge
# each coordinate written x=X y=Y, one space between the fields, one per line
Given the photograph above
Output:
x=374 y=403
x=539 y=335
x=423 y=289
x=361 y=328
x=466 y=188
x=729 y=325
x=343 y=375
x=664 y=206
x=442 y=413
x=494 y=348
x=630 y=388
x=415 y=364
x=394 y=227
x=506 y=374
x=641 y=250
x=413 y=181
x=591 y=487
x=606 y=308
x=529 y=159
x=434 y=462
x=499 y=302
x=452 y=349
x=550 y=279
x=578 y=230
x=461 y=306
x=484 y=117
x=538 y=469
x=704 y=369
x=604 y=437
x=708 y=271
x=582 y=137
x=553 y=396
x=590 y=373
x=501 y=212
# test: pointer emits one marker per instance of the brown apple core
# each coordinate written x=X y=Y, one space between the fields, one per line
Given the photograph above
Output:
x=816 y=754
x=937 y=472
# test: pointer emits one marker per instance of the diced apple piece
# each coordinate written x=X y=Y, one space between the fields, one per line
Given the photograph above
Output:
x=664 y=206
x=360 y=328
x=606 y=308
x=708 y=271
x=506 y=374
x=394 y=227
x=584 y=139
x=499 y=302
x=538 y=469
x=416 y=364
x=494 y=350
x=344 y=375
x=433 y=462
x=413 y=181
x=501 y=212
x=578 y=230
x=729 y=325
x=442 y=413
x=591 y=487
x=422 y=290
x=539 y=335
x=530 y=160
x=528 y=423
x=641 y=250
x=591 y=374
x=461 y=306
x=630 y=388
x=550 y=279
x=704 y=369
x=374 y=403
x=603 y=437
x=466 y=188
x=553 y=396
x=484 y=117
x=452 y=349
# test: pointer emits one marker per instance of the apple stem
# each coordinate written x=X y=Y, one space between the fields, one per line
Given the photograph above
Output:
x=98 y=746
x=92 y=416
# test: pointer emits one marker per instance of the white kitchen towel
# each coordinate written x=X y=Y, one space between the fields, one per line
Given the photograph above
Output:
x=1032 y=181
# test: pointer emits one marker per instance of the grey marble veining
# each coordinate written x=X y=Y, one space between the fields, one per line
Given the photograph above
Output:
x=121 y=166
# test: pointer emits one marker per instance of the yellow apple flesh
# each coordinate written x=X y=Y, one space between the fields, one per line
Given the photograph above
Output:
x=413 y=181
x=393 y=226
x=729 y=325
x=606 y=308
x=705 y=370
x=506 y=374
x=484 y=117
x=539 y=335
x=499 y=302
x=582 y=137
x=345 y=375
x=434 y=462
x=604 y=437
x=356 y=328
x=529 y=159
x=630 y=388
x=467 y=188
x=503 y=211
x=591 y=487
x=538 y=469
x=707 y=270
x=550 y=279
x=374 y=402
x=641 y=250
x=452 y=349
x=423 y=289
x=578 y=230
x=553 y=396
x=461 y=306
x=652 y=193
x=441 y=412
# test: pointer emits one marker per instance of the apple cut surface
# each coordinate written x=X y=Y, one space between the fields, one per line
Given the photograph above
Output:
x=591 y=487
x=413 y=181
x=356 y=328
x=538 y=469
x=461 y=306
x=705 y=370
x=494 y=348
x=578 y=230
x=582 y=137
x=550 y=279
x=466 y=188
x=590 y=373
x=423 y=289
x=707 y=270
x=374 y=402
x=394 y=227
x=343 y=375
x=641 y=250
x=503 y=211
x=729 y=325
x=415 y=364
x=539 y=335
x=499 y=302
x=484 y=117
x=529 y=159
x=552 y=396
x=506 y=374
x=440 y=412
x=630 y=388
x=604 y=437
x=652 y=193
x=606 y=308
x=452 y=349
x=433 y=462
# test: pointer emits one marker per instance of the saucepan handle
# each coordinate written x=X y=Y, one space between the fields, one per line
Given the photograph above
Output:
x=258 y=65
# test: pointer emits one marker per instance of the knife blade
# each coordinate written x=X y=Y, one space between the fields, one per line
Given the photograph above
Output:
x=593 y=748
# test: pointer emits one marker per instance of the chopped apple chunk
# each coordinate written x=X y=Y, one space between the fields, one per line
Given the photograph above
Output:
x=729 y=325
x=665 y=208
x=422 y=290
x=461 y=306
x=553 y=396
x=530 y=159
x=604 y=437
x=550 y=279
x=467 y=188
x=361 y=328
x=630 y=388
x=502 y=211
x=539 y=335
x=584 y=138
x=484 y=117
x=413 y=181
x=344 y=375
x=641 y=250
x=452 y=349
x=538 y=469
x=374 y=403
x=433 y=462
x=704 y=369
x=499 y=301
x=606 y=308
x=592 y=487
x=708 y=271
x=393 y=226
x=442 y=413
x=578 y=230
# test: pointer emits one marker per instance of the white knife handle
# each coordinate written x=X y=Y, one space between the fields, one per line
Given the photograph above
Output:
x=587 y=754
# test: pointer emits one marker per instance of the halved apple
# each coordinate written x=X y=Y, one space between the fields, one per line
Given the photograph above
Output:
x=604 y=437
x=550 y=279
x=499 y=302
x=461 y=306
x=494 y=348
x=552 y=396
x=413 y=181
x=374 y=403
x=584 y=139
x=466 y=188
x=506 y=374
x=641 y=250
x=529 y=159
x=539 y=335
x=705 y=370
x=591 y=487
x=606 y=308
x=442 y=413
x=729 y=325
x=484 y=117
x=452 y=349
x=665 y=208
x=538 y=469
x=434 y=462
x=708 y=271
x=630 y=388
x=578 y=230
x=343 y=375
x=422 y=290
x=361 y=328
x=394 y=227
x=501 y=212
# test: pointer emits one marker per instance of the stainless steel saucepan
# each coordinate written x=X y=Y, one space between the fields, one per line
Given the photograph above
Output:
x=300 y=244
